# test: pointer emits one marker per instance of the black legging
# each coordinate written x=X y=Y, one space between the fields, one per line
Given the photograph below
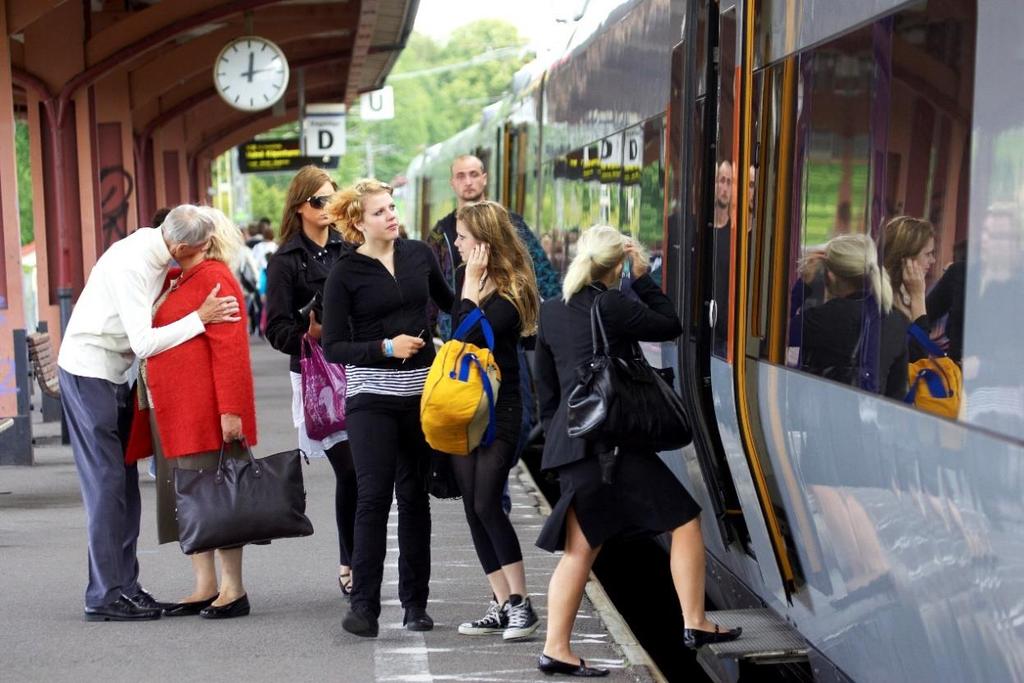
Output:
x=391 y=458
x=481 y=477
x=340 y=457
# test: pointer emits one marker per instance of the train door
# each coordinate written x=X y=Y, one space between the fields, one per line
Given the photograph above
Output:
x=690 y=155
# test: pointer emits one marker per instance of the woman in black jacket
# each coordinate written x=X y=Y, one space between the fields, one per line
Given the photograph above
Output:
x=645 y=498
x=295 y=277
x=498 y=279
x=375 y=321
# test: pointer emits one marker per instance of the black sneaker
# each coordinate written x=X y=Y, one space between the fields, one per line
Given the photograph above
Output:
x=522 y=620
x=494 y=621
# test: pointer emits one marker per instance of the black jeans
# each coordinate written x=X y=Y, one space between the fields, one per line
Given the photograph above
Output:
x=390 y=454
x=340 y=458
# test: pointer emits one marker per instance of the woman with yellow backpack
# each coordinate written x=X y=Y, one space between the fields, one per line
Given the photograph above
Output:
x=498 y=281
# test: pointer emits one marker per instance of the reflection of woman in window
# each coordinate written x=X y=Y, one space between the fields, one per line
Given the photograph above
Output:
x=908 y=253
x=855 y=337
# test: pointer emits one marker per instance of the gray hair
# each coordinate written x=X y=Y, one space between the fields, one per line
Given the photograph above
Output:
x=188 y=224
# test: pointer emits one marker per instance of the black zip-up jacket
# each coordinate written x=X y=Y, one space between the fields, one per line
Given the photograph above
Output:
x=293 y=278
x=364 y=304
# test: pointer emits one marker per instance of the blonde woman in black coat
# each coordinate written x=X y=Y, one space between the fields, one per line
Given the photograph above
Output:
x=644 y=498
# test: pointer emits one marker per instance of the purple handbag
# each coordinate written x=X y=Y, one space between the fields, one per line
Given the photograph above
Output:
x=323 y=391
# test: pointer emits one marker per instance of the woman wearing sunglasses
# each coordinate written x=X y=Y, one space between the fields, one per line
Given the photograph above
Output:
x=295 y=277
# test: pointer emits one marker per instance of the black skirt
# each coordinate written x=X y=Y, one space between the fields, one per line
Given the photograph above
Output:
x=644 y=499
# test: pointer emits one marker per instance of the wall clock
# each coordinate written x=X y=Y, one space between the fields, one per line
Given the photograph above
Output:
x=251 y=73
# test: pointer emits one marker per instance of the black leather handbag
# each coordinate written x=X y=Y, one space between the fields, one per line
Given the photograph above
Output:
x=624 y=401
x=241 y=501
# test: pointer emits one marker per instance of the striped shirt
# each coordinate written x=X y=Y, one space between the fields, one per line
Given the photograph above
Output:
x=384 y=381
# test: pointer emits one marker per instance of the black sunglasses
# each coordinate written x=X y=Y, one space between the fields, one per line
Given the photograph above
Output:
x=318 y=201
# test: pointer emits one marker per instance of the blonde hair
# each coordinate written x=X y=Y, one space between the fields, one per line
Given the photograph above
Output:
x=599 y=251
x=304 y=185
x=346 y=207
x=903 y=237
x=853 y=259
x=226 y=238
x=509 y=265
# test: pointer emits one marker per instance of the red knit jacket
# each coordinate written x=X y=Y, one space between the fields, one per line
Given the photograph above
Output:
x=194 y=383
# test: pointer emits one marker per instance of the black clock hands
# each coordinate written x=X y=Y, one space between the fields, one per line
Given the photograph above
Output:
x=251 y=72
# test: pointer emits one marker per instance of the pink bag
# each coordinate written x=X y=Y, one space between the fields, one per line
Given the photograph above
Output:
x=323 y=391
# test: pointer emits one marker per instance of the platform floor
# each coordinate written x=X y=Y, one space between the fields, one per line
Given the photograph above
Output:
x=294 y=632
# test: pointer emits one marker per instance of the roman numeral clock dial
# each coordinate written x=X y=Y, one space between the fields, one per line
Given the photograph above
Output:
x=251 y=73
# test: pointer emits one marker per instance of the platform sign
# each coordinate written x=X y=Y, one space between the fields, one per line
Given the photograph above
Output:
x=610 y=169
x=267 y=156
x=633 y=156
x=378 y=105
x=323 y=130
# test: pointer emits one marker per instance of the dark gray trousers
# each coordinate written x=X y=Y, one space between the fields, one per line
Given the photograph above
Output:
x=99 y=416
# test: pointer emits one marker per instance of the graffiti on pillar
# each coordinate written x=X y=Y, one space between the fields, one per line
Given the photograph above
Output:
x=116 y=187
x=8 y=380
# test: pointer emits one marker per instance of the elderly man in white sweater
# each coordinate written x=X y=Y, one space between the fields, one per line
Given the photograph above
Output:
x=110 y=326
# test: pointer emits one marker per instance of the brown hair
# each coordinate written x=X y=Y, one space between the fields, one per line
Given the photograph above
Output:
x=303 y=186
x=903 y=237
x=346 y=207
x=508 y=264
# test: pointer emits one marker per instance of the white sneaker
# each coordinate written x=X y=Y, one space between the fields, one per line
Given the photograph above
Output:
x=494 y=621
x=522 y=621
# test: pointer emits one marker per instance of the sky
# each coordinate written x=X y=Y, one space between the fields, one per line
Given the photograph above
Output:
x=535 y=19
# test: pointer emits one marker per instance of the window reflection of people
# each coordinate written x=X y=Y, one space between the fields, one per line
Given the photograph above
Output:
x=722 y=223
x=946 y=300
x=908 y=253
x=833 y=331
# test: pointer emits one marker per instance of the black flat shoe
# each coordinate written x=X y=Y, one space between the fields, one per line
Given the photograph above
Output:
x=238 y=608
x=187 y=609
x=693 y=639
x=359 y=625
x=144 y=600
x=121 y=609
x=417 y=619
x=552 y=666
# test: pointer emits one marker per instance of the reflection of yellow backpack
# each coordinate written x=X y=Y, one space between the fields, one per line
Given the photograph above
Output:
x=457 y=406
x=936 y=383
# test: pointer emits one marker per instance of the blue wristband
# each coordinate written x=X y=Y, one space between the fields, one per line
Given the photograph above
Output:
x=389 y=348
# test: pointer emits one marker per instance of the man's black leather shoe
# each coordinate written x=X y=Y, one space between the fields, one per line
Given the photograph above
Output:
x=121 y=609
x=144 y=600
x=359 y=624
x=188 y=609
x=550 y=665
x=236 y=608
x=417 y=619
x=693 y=639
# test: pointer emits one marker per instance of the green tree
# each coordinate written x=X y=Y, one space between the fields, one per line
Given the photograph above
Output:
x=22 y=156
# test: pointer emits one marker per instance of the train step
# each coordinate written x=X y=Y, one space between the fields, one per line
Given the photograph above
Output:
x=767 y=641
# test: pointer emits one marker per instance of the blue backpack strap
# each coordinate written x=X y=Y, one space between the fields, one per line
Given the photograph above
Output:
x=471 y=359
x=476 y=316
x=921 y=337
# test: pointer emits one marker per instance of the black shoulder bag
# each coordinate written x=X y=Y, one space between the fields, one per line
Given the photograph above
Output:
x=241 y=501
x=624 y=402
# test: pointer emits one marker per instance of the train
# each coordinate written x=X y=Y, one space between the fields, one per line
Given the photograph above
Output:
x=733 y=138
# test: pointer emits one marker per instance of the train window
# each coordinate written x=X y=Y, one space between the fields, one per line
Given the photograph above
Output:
x=644 y=193
x=880 y=167
x=724 y=215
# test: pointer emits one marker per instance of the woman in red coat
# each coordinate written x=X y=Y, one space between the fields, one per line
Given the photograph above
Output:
x=196 y=398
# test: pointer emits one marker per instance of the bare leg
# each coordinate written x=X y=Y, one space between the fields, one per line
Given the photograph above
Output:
x=499 y=586
x=515 y=575
x=687 y=563
x=566 y=590
x=231 y=587
x=206 y=577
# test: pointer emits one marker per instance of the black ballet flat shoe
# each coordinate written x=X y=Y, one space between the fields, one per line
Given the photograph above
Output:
x=693 y=639
x=551 y=666
x=417 y=619
x=187 y=609
x=360 y=625
x=237 y=608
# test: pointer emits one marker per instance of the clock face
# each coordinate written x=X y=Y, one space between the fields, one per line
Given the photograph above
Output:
x=251 y=73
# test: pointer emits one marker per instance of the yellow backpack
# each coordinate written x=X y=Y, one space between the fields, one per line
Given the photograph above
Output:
x=457 y=405
x=936 y=383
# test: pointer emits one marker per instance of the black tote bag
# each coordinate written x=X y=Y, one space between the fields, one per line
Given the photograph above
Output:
x=624 y=401
x=241 y=501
